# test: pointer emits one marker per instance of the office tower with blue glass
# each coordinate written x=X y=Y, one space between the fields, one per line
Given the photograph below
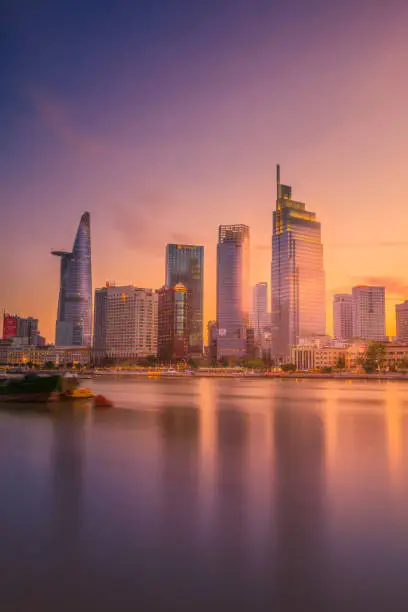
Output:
x=74 y=317
x=185 y=265
x=298 y=280
x=232 y=290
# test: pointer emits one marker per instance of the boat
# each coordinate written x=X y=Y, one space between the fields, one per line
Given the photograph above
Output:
x=76 y=394
x=100 y=401
x=31 y=387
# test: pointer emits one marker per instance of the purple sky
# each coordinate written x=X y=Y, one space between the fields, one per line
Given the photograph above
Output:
x=165 y=119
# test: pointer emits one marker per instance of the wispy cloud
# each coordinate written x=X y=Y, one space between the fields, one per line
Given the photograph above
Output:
x=393 y=285
x=143 y=223
x=364 y=245
x=57 y=118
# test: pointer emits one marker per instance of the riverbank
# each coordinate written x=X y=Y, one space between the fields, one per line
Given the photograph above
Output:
x=249 y=375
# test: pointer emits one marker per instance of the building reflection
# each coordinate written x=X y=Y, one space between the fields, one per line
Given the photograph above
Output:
x=179 y=429
x=208 y=454
x=232 y=488
x=299 y=507
x=67 y=461
x=394 y=421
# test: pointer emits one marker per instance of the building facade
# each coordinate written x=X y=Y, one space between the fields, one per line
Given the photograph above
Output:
x=59 y=356
x=368 y=312
x=185 y=265
x=173 y=323
x=343 y=316
x=212 y=340
x=401 y=315
x=24 y=329
x=259 y=316
x=125 y=322
x=74 y=317
x=298 y=280
x=232 y=290
x=308 y=357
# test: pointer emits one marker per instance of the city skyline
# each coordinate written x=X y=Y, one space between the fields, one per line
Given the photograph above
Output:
x=183 y=135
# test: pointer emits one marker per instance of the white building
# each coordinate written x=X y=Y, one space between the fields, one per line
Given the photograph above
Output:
x=343 y=316
x=368 y=312
x=125 y=325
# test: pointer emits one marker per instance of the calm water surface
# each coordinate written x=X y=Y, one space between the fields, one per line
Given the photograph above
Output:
x=202 y=495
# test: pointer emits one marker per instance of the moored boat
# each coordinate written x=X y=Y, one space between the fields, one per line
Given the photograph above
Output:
x=76 y=394
x=31 y=388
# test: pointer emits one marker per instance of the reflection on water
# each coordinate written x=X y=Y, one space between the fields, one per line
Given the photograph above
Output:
x=208 y=495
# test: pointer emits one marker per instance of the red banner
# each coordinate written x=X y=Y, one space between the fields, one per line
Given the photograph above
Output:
x=9 y=326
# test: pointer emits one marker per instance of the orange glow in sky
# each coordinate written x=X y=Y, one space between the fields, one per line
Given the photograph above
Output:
x=165 y=135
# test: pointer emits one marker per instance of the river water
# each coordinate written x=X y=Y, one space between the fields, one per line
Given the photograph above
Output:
x=205 y=495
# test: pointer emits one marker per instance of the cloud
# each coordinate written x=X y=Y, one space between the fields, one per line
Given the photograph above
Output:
x=393 y=285
x=364 y=245
x=58 y=120
x=144 y=223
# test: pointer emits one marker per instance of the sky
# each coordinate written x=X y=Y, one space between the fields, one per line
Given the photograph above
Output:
x=166 y=118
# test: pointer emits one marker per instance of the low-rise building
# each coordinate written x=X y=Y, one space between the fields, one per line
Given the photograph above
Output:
x=12 y=354
x=308 y=357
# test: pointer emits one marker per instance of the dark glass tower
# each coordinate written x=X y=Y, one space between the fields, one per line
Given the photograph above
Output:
x=298 y=281
x=74 y=318
x=185 y=264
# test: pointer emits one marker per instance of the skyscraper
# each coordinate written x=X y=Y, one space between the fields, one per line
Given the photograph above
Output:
x=173 y=322
x=185 y=264
x=259 y=308
x=369 y=313
x=125 y=325
x=298 y=281
x=74 y=318
x=343 y=316
x=401 y=314
x=232 y=290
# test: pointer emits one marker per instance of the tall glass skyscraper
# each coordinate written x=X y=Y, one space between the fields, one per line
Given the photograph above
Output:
x=74 y=318
x=185 y=264
x=298 y=281
x=232 y=290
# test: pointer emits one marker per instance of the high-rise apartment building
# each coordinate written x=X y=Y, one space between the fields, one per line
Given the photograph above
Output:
x=343 y=316
x=298 y=280
x=74 y=318
x=173 y=322
x=232 y=290
x=125 y=324
x=259 y=316
x=185 y=264
x=401 y=314
x=369 y=312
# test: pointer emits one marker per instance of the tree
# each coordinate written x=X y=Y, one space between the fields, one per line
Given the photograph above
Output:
x=341 y=362
x=254 y=364
x=151 y=359
x=374 y=356
x=192 y=364
x=49 y=365
x=326 y=370
x=288 y=367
